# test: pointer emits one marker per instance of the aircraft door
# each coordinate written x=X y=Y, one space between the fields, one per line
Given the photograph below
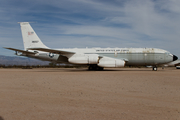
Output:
x=115 y=53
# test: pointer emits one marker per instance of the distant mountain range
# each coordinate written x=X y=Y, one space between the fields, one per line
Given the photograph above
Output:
x=13 y=60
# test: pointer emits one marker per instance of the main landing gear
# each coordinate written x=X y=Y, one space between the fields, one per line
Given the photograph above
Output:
x=95 y=67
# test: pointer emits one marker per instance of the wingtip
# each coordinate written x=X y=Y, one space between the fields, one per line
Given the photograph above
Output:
x=5 y=47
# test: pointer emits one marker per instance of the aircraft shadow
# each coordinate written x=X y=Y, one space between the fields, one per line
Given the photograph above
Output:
x=86 y=70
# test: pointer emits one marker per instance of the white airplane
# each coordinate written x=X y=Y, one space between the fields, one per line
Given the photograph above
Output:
x=95 y=58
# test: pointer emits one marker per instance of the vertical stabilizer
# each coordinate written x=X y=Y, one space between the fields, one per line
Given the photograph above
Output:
x=30 y=38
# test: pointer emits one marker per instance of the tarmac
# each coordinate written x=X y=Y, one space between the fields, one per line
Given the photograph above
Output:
x=79 y=94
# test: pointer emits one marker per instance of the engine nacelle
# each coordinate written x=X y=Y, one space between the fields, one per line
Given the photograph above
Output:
x=110 y=62
x=84 y=59
x=18 y=53
x=93 y=58
x=78 y=59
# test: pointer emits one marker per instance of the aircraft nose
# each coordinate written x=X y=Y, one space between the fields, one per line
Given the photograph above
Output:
x=175 y=58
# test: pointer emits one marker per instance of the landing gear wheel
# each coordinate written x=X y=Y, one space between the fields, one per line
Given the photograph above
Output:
x=154 y=68
x=95 y=68
x=90 y=68
x=99 y=68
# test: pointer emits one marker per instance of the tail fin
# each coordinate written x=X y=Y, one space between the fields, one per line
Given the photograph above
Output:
x=30 y=38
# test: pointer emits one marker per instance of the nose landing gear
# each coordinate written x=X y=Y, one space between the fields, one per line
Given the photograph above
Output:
x=154 y=68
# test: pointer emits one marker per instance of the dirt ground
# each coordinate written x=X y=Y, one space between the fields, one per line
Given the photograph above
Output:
x=78 y=94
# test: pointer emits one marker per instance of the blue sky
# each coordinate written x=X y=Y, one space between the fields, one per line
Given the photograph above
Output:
x=93 y=23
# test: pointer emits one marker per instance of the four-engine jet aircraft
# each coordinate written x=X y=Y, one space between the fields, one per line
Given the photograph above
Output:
x=95 y=58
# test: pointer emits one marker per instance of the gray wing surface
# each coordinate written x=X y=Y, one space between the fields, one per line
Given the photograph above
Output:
x=22 y=51
x=52 y=50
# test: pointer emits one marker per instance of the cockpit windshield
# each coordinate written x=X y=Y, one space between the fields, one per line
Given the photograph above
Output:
x=168 y=53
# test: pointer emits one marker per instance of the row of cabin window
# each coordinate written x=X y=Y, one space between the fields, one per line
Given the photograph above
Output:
x=111 y=50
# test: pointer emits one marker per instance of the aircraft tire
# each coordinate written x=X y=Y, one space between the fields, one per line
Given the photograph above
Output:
x=99 y=68
x=90 y=68
x=154 y=68
x=95 y=68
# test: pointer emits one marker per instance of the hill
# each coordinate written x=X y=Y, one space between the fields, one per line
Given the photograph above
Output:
x=13 y=60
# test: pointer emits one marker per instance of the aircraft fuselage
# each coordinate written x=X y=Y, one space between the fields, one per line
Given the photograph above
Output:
x=132 y=56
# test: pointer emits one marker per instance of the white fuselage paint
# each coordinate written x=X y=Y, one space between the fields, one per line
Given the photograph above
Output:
x=132 y=56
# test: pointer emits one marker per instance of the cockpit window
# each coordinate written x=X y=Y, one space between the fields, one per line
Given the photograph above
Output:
x=168 y=53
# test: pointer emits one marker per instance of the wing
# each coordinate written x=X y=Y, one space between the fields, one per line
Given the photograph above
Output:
x=52 y=50
x=22 y=51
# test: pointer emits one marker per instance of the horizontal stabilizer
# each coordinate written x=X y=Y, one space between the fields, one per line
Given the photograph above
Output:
x=52 y=51
x=22 y=51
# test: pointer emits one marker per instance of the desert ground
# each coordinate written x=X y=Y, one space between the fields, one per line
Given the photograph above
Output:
x=78 y=94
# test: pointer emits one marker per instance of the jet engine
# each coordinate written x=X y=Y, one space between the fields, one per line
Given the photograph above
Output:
x=95 y=59
x=84 y=59
x=18 y=53
x=110 y=62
